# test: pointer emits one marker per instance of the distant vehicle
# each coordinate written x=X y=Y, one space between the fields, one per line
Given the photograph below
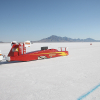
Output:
x=1 y=56
x=18 y=52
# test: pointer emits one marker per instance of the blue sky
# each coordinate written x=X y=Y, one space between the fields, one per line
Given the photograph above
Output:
x=22 y=20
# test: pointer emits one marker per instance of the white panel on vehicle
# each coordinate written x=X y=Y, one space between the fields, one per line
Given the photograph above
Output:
x=27 y=43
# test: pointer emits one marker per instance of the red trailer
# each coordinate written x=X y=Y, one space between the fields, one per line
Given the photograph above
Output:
x=18 y=53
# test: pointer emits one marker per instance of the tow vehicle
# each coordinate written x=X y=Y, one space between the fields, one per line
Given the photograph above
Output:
x=18 y=52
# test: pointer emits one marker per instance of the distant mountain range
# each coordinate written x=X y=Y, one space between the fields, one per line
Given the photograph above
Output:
x=55 y=38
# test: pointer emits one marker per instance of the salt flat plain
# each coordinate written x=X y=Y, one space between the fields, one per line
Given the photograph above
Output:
x=72 y=77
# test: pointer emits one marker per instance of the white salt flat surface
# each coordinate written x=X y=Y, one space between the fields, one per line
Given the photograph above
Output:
x=72 y=77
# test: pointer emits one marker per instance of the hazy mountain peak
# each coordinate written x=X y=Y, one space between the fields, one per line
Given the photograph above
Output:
x=54 y=38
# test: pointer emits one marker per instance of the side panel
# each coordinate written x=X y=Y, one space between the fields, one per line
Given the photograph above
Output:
x=24 y=57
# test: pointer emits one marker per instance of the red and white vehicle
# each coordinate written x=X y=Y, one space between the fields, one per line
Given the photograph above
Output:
x=18 y=52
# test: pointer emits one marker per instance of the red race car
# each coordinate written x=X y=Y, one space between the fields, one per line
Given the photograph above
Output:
x=18 y=52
